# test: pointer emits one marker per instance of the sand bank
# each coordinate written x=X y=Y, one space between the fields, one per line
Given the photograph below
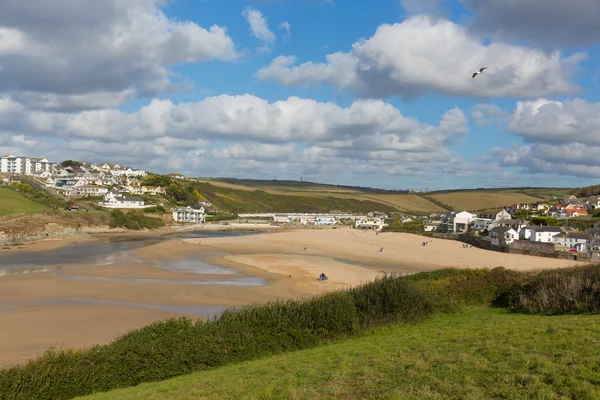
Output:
x=43 y=309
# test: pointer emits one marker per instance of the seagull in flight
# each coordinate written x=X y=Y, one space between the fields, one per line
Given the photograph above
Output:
x=481 y=70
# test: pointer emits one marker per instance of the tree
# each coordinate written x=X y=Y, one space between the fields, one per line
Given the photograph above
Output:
x=117 y=219
x=70 y=163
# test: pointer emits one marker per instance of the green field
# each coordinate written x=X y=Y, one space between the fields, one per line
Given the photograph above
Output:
x=482 y=353
x=12 y=202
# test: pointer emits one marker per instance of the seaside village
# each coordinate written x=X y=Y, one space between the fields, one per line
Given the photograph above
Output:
x=119 y=186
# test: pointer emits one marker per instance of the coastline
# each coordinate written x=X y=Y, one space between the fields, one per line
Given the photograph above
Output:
x=92 y=304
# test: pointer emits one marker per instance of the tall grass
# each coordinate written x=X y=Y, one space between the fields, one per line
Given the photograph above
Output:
x=560 y=291
x=179 y=346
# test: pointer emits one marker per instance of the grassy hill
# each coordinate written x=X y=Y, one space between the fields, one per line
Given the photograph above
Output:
x=12 y=202
x=482 y=353
x=273 y=193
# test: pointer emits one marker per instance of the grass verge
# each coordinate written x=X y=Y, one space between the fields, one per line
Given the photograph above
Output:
x=483 y=353
x=12 y=202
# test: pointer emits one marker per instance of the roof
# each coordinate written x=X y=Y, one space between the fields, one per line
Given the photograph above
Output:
x=501 y=229
x=556 y=229
x=578 y=235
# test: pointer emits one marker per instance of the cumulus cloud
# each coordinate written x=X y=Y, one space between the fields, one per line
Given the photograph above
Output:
x=88 y=54
x=551 y=121
x=547 y=23
x=236 y=133
x=258 y=25
x=562 y=138
x=421 y=55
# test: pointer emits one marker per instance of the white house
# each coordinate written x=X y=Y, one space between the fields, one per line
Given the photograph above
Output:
x=370 y=223
x=111 y=200
x=528 y=232
x=572 y=239
x=503 y=236
x=90 y=190
x=503 y=214
x=128 y=172
x=456 y=221
x=325 y=220
x=480 y=224
x=546 y=233
x=189 y=214
x=431 y=226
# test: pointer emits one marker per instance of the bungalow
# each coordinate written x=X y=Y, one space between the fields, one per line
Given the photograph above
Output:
x=503 y=236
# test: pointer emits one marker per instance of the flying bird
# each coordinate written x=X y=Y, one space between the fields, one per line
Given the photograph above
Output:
x=479 y=72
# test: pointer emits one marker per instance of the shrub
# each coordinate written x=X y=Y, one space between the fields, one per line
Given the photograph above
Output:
x=134 y=220
x=179 y=346
x=453 y=288
x=560 y=291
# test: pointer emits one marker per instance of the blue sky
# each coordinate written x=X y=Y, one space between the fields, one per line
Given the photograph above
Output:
x=352 y=94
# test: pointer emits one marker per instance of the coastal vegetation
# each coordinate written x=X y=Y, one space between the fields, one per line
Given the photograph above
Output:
x=391 y=306
x=14 y=202
x=134 y=220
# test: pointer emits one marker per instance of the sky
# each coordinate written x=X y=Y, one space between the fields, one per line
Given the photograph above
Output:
x=365 y=93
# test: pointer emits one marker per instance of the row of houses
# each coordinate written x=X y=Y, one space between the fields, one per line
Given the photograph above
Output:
x=563 y=238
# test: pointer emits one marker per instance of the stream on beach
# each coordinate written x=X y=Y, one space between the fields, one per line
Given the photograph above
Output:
x=59 y=261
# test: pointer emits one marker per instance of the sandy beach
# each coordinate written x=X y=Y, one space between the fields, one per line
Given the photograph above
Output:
x=85 y=305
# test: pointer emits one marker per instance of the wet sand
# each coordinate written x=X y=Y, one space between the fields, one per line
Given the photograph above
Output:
x=87 y=305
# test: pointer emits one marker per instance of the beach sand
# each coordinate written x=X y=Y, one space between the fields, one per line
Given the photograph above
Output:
x=43 y=309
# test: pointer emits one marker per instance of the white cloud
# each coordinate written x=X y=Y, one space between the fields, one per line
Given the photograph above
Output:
x=258 y=25
x=550 y=121
x=421 y=55
x=97 y=52
x=562 y=138
x=547 y=23
x=287 y=27
x=227 y=135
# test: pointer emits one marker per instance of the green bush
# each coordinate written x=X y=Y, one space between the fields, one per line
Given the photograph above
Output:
x=561 y=291
x=134 y=220
x=179 y=346
x=452 y=289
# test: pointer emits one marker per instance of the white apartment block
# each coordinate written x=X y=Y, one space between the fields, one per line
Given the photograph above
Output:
x=10 y=164
x=189 y=215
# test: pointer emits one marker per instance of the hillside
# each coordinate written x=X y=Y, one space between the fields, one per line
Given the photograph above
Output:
x=12 y=202
x=232 y=193
x=482 y=353
x=586 y=191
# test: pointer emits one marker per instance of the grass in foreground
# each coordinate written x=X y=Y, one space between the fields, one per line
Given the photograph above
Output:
x=478 y=354
x=12 y=202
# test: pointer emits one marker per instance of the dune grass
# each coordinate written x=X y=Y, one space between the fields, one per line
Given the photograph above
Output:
x=12 y=202
x=481 y=353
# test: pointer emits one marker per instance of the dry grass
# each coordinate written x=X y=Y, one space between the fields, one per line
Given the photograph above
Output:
x=403 y=202
x=472 y=201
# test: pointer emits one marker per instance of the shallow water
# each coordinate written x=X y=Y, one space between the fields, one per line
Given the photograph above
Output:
x=205 y=311
x=97 y=253
x=241 y=281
